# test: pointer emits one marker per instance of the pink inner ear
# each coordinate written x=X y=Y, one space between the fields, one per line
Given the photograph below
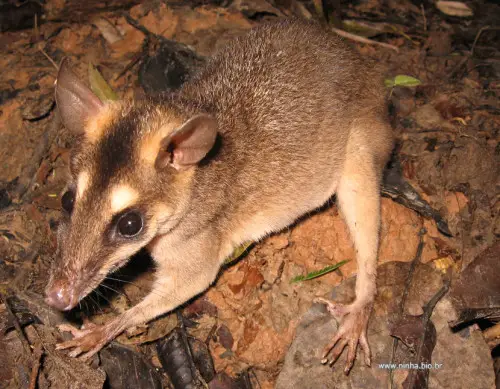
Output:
x=193 y=141
x=75 y=101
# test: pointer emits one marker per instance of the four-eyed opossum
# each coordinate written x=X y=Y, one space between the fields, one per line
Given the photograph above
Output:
x=270 y=129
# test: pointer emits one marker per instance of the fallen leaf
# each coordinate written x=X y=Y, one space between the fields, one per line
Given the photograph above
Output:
x=454 y=8
x=419 y=335
x=99 y=85
x=126 y=368
x=238 y=252
x=402 y=80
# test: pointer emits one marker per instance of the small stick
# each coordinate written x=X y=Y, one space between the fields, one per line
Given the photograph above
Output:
x=17 y=326
x=428 y=309
x=361 y=39
x=477 y=38
x=39 y=47
x=210 y=334
x=48 y=57
x=423 y=14
x=37 y=357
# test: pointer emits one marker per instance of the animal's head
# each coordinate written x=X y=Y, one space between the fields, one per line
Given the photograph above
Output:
x=130 y=180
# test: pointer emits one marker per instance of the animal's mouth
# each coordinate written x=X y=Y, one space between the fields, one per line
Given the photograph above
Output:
x=92 y=285
x=65 y=295
x=96 y=280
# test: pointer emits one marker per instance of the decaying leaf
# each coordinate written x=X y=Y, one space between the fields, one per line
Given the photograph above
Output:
x=454 y=8
x=186 y=360
x=419 y=336
x=64 y=372
x=223 y=381
x=319 y=273
x=476 y=294
x=99 y=85
x=126 y=368
x=402 y=80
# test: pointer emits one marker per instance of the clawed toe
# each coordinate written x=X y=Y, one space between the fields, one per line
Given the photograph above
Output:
x=86 y=341
x=351 y=332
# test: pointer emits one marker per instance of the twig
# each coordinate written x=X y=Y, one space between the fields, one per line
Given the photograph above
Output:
x=210 y=334
x=185 y=340
x=251 y=370
x=477 y=38
x=37 y=357
x=48 y=57
x=134 y=23
x=29 y=172
x=38 y=46
x=428 y=309
x=413 y=266
x=17 y=326
x=361 y=39
x=137 y=57
x=423 y=15
x=470 y=54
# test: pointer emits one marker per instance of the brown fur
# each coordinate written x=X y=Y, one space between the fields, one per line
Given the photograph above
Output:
x=300 y=117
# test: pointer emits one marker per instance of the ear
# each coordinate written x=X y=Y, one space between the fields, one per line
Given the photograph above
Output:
x=189 y=144
x=75 y=101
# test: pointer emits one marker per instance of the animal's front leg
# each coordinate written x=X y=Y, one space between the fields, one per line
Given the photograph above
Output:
x=177 y=280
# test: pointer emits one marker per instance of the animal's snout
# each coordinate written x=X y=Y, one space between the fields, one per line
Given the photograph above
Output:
x=60 y=296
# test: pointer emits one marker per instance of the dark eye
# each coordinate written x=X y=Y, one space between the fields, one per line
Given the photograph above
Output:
x=130 y=224
x=68 y=201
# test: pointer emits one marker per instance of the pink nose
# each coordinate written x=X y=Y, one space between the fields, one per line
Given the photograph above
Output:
x=60 y=297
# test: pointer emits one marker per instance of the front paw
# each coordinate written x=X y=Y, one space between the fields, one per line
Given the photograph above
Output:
x=86 y=341
x=352 y=332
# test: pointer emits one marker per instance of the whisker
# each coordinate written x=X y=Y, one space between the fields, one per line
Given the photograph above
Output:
x=96 y=304
x=153 y=290
x=102 y=295
x=124 y=281
x=114 y=290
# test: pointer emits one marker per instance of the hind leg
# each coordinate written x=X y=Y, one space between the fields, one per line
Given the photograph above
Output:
x=358 y=196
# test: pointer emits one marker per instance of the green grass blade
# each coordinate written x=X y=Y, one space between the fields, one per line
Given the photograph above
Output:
x=319 y=273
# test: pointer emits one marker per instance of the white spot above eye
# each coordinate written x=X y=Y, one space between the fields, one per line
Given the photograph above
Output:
x=122 y=196
x=82 y=183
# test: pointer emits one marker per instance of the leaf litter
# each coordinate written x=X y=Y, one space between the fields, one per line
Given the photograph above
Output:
x=248 y=318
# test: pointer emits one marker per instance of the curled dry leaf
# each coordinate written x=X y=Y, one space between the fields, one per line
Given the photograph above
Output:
x=186 y=360
x=454 y=8
x=126 y=368
x=476 y=294
x=419 y=336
